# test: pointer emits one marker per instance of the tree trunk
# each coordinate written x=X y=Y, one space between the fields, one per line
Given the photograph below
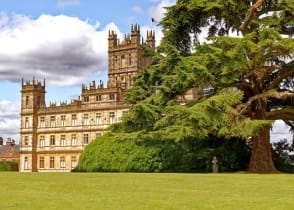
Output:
x=261 y=158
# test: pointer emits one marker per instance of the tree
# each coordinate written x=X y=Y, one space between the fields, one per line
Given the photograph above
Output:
x=258 y=63
x=251 y=74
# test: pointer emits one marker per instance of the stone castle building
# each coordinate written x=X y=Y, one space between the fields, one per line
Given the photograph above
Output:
x=53 y=137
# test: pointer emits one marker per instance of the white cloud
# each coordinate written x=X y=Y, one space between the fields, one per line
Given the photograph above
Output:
x=64 y=50
x=157 y=12
x=280 y=131
x=67 y=3
x=9 y=119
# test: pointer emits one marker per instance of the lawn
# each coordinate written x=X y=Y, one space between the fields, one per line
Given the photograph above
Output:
x=145 y=191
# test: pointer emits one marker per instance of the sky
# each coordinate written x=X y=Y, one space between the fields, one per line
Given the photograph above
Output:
x=65 y=42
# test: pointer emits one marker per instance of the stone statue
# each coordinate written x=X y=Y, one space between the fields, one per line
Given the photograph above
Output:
x=214 y=164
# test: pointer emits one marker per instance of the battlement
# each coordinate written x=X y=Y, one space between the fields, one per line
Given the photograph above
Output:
x=130 y=40
x=32 y=84
x=93 y=86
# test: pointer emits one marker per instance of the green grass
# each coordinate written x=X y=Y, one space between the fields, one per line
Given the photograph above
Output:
x=145 y=191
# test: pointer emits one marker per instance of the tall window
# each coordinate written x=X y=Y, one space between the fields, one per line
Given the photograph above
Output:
x=62 y=140
x=62 y=162
x=73 y=162
x=98 y=98
x=73 y=120
x=52 y=140
x=73 y=139
x=86 y=98
x=98 y=119
x=130 y=59
x=86 y=119
x=123 y=61
x=51 y=165
x=42 y=122
x=42 y=162
x=111 y=96
x=86 y=138
x=111 y=117
x=27 y=100
x=26 y=122
x=42 y=141
x=26 y=163
x=62 y=120
x=52 y=121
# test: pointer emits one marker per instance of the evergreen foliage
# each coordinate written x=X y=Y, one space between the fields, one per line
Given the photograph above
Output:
x=132 y=153
x=251 y=77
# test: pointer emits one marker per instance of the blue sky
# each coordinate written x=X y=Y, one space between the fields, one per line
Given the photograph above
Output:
x=65 y=41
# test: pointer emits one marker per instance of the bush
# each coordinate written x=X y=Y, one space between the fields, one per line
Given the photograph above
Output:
x=283 y=156
x=133 y=153
x=8 y=166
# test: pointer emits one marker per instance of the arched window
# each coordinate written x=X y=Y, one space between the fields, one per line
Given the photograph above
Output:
x=123 y=61
x=26 y=163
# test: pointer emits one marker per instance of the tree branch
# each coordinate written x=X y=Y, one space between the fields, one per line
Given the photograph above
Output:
x=286 y=71
x=282 y=114
x=269 y=94
x=244 y=27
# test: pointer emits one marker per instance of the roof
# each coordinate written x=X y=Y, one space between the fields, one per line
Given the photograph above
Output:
x=7 y=151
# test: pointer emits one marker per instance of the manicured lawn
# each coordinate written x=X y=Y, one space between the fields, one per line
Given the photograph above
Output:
x=145 y=191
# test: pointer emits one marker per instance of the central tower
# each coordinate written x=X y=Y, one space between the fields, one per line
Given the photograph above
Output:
x=126 y=58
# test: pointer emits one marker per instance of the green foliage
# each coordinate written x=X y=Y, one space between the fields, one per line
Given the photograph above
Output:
x=283 y=156
x=8 y=166
x=142 y=153
x=250 y=77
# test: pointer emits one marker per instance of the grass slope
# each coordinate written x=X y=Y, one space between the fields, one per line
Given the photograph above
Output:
x=145 y=191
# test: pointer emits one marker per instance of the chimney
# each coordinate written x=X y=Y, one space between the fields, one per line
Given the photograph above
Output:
x=1 y=141
x=9 y=142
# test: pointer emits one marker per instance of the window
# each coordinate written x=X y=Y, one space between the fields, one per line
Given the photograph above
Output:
x=52 y=140
x=62 y=140
x=42 y=141
x=86 y=138
x=123 y=61
x=111 y=96
x=62 y=120
x=38 y=101
x=73 y=120
x=26 y=163
x=26 y=140
x=73 y=139
x=62 y=162
x=98 y=135
x=98 y=98
x=52 y=121
x=27 y=100
x=98 y=119
x=130 y=59
x=51 y=165
x=86 y=119
x=73 y=162
x=42 y=162
x=111 y=117
x=42 y=122
x=26 y=122
x=86 y=98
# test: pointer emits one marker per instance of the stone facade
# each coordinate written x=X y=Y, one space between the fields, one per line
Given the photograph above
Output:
x=54 y=136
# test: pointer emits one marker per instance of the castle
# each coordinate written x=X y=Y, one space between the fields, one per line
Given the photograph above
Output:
x=53 y=137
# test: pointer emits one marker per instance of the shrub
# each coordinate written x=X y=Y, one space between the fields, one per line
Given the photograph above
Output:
x=8 y=166
x=134 y=153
